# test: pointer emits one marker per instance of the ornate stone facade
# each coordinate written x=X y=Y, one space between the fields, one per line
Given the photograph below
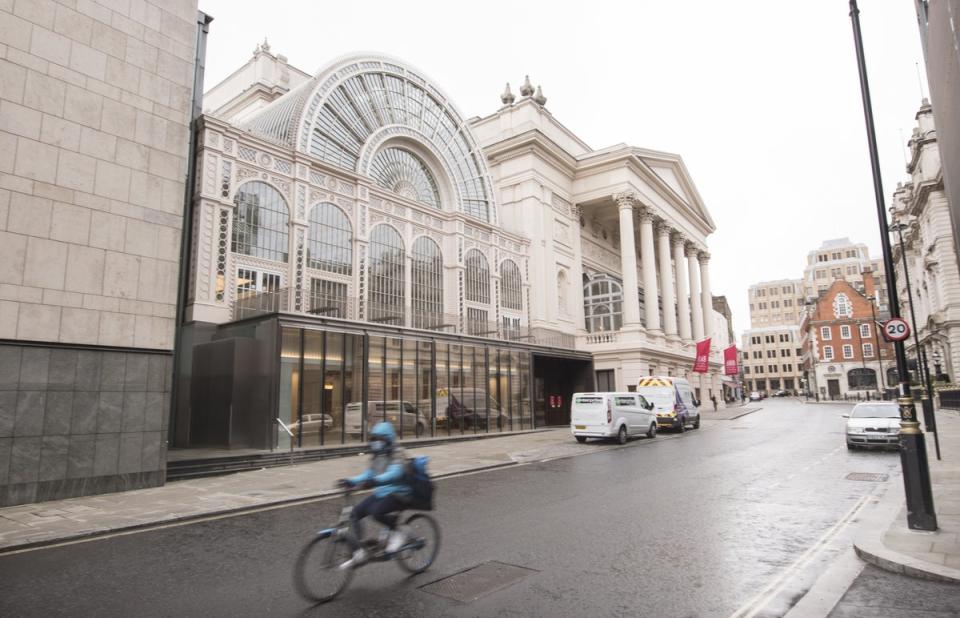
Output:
x=921 y=205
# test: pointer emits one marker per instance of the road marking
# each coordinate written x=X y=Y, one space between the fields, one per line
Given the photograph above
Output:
x=762 y=598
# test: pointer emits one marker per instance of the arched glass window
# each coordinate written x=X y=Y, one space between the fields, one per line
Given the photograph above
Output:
x=404 y=173
x=510 y=285
x=330 y=243
x=260 y=222
x=427 y=288
x=861 y=379
x=477 y=277
x=603 y=305
x=841 y=306
x=386 y=275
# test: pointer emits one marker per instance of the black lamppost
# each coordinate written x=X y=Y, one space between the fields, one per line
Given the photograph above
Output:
x=913 y=450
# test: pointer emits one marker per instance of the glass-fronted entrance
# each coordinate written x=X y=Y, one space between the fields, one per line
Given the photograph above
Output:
x=334 y=386
x=280 y=381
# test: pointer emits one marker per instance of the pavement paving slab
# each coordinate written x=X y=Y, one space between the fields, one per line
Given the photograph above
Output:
x=886 y=541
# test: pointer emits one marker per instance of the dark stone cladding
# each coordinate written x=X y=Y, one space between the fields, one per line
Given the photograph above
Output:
x=81 y=420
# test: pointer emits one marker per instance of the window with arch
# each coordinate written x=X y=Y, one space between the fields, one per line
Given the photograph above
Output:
x=427 y=285
x=386 y=275
x=862 y=378
x=330 y=240
x=477 y=283
x=603 y=304
x=841 y=306
x=403 y=172
x=511 y=296
x=260 y=222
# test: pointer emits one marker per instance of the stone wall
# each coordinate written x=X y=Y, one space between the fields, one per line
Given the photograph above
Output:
x=95 y=103
x=80 y=421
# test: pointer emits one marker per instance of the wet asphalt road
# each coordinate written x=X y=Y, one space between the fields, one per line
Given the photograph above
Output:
x=738 y=515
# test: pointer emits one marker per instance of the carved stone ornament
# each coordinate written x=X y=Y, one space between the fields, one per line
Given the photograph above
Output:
x=627 y=199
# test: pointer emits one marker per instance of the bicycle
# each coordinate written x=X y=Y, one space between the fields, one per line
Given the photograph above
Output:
x=323 y=581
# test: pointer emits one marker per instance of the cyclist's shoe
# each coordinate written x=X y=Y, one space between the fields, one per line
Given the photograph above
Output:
x=359 y=557
x=396 y=541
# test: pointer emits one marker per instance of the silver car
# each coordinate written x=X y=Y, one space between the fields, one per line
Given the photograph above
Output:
x=873 y=424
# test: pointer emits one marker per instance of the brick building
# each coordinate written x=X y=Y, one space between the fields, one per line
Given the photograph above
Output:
x=843 y=353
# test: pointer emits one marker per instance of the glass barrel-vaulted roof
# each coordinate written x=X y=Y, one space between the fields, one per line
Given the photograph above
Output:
x=404 y=173
x=360 y=102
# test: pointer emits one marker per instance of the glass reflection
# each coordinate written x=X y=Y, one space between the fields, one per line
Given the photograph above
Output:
x=289 y=403
x=333 y=388
x=309 y=429
x=443 y=387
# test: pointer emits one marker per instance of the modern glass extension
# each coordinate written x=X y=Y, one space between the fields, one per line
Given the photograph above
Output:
x=334 y=386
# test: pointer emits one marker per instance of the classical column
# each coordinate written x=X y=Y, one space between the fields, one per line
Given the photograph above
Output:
x=647 y=255
x=707 y=302
x=666 y=281
x=696 y=312
x=628 y=260
x=683 y=292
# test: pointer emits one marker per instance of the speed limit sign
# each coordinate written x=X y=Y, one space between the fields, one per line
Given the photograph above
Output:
x=896 y=329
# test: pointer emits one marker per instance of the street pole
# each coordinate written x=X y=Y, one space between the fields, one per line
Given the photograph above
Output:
x=921 y=371
x=932 y=419
x=876 y=338
x=922 y=367
x=913 y=451
x=863 y=358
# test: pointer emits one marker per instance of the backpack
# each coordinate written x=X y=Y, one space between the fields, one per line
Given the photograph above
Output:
x=418 y=479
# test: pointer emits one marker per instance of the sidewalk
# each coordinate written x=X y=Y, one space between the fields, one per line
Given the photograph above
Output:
x=884 y=538
x=728 y=413
x=49 y=522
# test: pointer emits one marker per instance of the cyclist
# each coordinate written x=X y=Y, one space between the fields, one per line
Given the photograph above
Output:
x=386 y=474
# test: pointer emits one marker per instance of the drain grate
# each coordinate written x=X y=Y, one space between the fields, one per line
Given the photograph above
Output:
x=479 y=581
x=867 y=476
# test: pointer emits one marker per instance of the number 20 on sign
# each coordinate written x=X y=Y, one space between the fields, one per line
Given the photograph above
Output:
x=896 y=329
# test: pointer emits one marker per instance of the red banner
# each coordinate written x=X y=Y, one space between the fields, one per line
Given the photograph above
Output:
x=731 y=366
x=702 y=364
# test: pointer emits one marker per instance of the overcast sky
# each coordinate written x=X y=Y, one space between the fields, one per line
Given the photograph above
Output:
x=761 y=99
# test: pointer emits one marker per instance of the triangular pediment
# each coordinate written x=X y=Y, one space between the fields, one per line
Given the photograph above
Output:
x=670 y=169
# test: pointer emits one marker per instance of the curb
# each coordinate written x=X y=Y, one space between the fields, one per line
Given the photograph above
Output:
x=92 y=534
x=895 y=562
x=868 y=543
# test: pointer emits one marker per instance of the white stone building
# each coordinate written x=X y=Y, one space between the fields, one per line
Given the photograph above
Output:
x=776 y=303
x=840 y=258
x=922 y=205
x=360 y=218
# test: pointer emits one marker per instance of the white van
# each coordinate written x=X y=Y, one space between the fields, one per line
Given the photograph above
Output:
x=611 y=415
x=673 y=401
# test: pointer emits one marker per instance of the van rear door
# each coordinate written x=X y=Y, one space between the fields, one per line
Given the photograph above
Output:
x=588 y=409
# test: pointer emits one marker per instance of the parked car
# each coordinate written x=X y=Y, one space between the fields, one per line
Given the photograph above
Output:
x=780 y=393
x=673 y=401
x=463 y=408
x=611 y=415
x=311 y=423
x=411 y=421
x=755 y=396
x=873 y=424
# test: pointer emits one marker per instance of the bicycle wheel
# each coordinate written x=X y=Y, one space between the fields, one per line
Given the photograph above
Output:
x=423 y=543
x=317 y=575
